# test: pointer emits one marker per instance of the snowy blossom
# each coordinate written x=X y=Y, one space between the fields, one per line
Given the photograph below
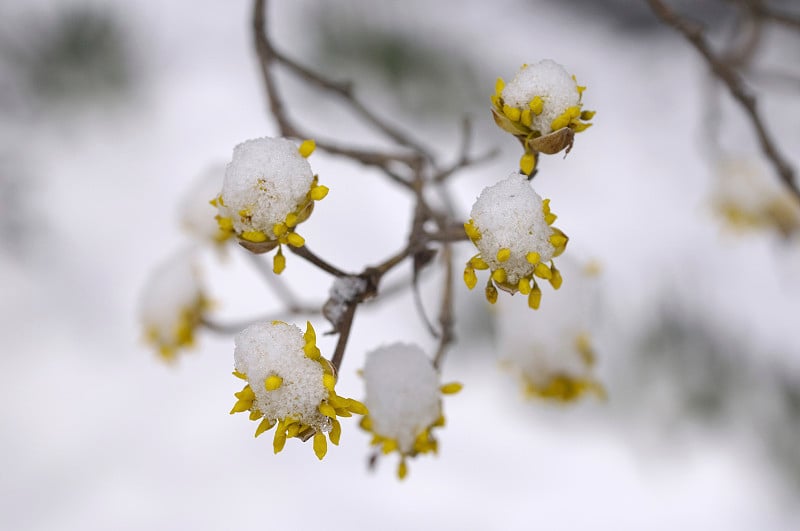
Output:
x=747 y=197
x=197 y=212
x=512 y=228
x=172 y=305
x=541 y=106
x=290 y=386
x=552 y=352
x=403 y=395
x=268 y=190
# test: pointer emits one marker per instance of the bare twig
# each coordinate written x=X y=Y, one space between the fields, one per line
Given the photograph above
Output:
x=446 y=310
x=306 y=253
x=464 y=159
x=694 y=34
x=769 y=13
x=235 y=327
x=266 y=58
x=345 y=325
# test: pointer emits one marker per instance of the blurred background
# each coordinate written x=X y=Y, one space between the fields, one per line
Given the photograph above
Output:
x=108 y=112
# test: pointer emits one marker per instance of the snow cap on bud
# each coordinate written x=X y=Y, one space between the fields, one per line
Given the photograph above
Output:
x=289 y=385
x=172 y=305
x=268 y=190
x=403 y=395
x=512 y=228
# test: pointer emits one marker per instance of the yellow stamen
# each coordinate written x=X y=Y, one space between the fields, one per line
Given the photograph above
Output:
x=533 y=258
x=255 y=236
x=319 y=192
x=503 y=254
x=542 y=271
x=451 y=388
x=402 y=469
x=526 y=118
x=265 y=425
x=470 y=278
x=478 y=263
x=524 y=286
x=535 y=297
x=307 y=148
x=291 y=220
x=527 y=163
x=512 y=113
x=320 y=445
x=472 y=231
x=558 y=240
x=499 y=275
x=273 y=382
x=278 y=262
x=279 y=229
x=499 y=85
x=536 y=105
x=336 y=432
x=556 y=280
x=295 y=240
x=491 y=292
x=327 y=410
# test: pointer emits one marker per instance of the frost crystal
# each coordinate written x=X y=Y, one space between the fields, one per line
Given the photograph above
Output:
x=196 y=212
x=511 y=227
x=172 y=304
x=552 y=351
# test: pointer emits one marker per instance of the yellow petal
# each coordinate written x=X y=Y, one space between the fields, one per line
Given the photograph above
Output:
x=503 y=254
x=402 y=469
x=273 y=382
x=542 y=271
x=533 y=258
x=524 y=286
x=295 y=240
x=535 y=297
x=279 y=229
x=491 y=293
x=499 y=275
x=320 y=445
x=319 y=192
x=470 y=278
x=499 y=85
x=265 y=425
x=307 y=148
x=536 y=105
x=356 y=407
x=556 y=280
x=512 y=113
x=278 y=263
x=336 y=432
x=255 y=236
x=451 y=388
x=327 y=410
x=527 y=163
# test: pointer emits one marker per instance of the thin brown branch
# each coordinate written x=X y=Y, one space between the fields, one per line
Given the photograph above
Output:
x=446 y=310
x=694 y=34
x=282 y=291
x=345 y=326
x=266 y=58
x=305 y=252
x=768 y=13
x=235 y=327
x=464 y=158
x=346 y=92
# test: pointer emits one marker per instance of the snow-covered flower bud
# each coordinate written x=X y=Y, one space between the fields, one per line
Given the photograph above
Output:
x=512 y=228
x=542 y=107
x=172 y=305
x=403 y=395
x=268 y=190
x=197 y=212
x=552 y=352
x=290 y=386
x=748 y=197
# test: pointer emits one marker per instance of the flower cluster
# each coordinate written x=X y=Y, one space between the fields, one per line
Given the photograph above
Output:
x=290 y=386
x=552 y=353
x=512 y=228
x=542 y=107
x=403 y=395
x=268 y=190
x=172 y=305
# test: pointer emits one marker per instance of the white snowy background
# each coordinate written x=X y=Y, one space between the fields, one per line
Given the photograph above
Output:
x=96 y=433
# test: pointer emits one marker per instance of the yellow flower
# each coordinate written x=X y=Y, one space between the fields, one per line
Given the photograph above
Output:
x=172 y=306
x=290 y=386
x=404 y=400
x=542 y=107
x=512 y=228
x=268 y=190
